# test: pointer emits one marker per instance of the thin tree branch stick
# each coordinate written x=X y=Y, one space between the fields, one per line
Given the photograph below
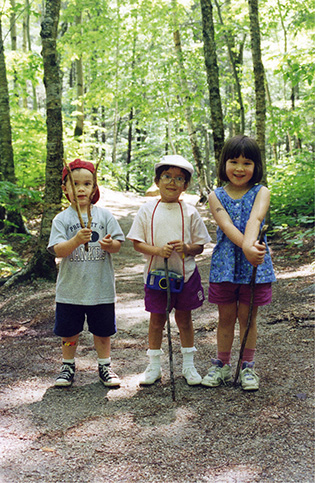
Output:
x=77 y=206
x=250 y=312
x=170 y=349
x=92 y=194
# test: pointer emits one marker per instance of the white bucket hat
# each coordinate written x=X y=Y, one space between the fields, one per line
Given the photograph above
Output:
x=177 y=161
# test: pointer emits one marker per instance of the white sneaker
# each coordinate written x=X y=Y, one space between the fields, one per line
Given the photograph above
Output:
x=191 y=375
x=151 y=375
x=218 y=374
x=248 y=377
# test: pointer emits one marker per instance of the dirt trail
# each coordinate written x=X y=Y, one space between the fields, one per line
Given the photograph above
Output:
x=88 y=433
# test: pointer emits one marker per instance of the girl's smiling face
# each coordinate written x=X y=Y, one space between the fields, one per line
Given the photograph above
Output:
x=240 y=171
x=171 y=184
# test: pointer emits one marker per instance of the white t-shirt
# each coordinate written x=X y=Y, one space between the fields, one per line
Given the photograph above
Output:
x=85 y=278
x=170 y=222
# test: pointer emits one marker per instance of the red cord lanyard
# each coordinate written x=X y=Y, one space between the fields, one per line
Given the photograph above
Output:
x=183 y=232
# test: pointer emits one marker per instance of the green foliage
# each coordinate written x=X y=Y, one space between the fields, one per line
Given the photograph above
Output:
x=291 y=182
x=14 y=197
x=24 y=67
x=129 y=63
x=29 y=144
x=10 y=261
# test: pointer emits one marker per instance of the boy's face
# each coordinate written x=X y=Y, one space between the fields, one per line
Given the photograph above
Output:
x=83 y=181
x=171 y=184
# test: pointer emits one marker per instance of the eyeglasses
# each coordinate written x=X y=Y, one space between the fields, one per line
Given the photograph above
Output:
x=178 y=180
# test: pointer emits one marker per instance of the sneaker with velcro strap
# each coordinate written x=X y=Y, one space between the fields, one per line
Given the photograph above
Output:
x=218 y=374
x=108 y=376
x=248 y=377
x=66 y=375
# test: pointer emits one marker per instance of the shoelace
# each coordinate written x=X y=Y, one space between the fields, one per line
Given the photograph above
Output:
x=107 y=372
x=66 y=371
x=214 y=370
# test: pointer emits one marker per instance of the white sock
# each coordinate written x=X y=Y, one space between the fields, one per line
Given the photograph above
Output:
x=155 y=356
x=68 y=361
x=104 y=361
x=188 y=356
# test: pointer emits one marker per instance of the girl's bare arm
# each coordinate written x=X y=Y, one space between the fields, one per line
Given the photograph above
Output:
x=254 y=251
x=224 y=221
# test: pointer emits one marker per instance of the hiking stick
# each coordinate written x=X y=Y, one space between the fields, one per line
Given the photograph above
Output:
x=170 y=349
x=89 y=224
x=250 y=311
x=77 y=206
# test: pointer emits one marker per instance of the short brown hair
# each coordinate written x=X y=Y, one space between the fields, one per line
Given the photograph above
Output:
x=241 y=145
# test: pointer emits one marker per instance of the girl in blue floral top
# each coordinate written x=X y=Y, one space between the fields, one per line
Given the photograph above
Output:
x=239 y=209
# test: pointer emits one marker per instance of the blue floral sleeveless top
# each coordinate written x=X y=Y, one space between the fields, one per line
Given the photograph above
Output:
x=228 y=262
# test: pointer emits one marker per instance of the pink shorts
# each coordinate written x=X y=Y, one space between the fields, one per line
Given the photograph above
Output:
x=190 y=298
x=226 y=293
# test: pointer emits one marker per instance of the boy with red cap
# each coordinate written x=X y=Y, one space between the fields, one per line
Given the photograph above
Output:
x=85 y=283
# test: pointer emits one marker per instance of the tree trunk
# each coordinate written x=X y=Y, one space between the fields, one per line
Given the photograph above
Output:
x=203 y=183
x=54 y=163
x=129 y=148
x=273 y=120
x=13 y=44
x=116 y=88
x=259 y=75
x=7 y=173
x=29 y=46
x=6 y=150
x=235 y=66
x=212 y=78
x=42 y=264
x=78 y=131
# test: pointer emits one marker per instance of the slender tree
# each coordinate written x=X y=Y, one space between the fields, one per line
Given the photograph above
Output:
x=7 y=173
x=27 y=47
x=78 y=131
x=203 y=182
x=235 y=64
x=259 y=76
x=212 y=77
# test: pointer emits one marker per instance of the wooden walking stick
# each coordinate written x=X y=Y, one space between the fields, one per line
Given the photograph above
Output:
x=170 y=349
x=250 y=312
x=92 y=194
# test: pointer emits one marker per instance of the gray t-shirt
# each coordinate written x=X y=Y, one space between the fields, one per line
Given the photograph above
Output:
x=85 y=278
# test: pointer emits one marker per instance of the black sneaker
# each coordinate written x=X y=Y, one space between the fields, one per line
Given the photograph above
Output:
x=107 y=375
x=66 y=375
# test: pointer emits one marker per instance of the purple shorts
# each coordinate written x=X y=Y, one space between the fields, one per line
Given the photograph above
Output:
x=190 y=298
x=226 y=293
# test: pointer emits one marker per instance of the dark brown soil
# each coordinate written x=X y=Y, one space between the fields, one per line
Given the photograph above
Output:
x=89 y=433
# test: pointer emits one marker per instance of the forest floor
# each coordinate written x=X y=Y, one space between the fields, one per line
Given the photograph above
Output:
x=89 y=433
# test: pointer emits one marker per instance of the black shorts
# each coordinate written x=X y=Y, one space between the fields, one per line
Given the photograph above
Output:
x=69 y=319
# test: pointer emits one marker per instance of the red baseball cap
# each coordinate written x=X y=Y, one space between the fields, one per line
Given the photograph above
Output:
x=79 y=164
